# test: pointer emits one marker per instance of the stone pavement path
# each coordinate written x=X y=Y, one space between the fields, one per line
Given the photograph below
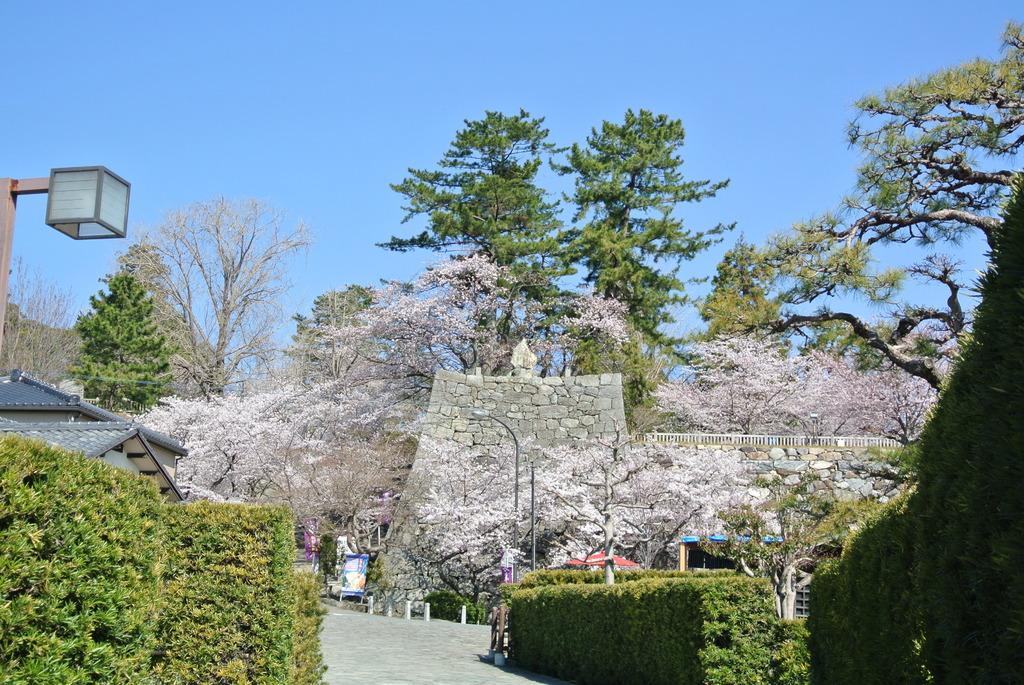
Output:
x=392 y=651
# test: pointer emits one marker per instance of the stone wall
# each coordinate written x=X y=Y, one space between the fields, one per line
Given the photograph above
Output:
x=846 y=473
x=544 y=411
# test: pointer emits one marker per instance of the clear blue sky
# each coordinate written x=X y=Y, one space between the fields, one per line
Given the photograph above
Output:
x=317 y=106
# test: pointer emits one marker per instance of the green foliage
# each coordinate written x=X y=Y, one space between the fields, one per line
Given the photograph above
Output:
x=124 y=356
x=710 y=630
x=546 y=577
x=627 y=185
x=307 y=665
x=741 y=298
x=447 y=605
x=328 y=555
x=228 y=608
x=79 y=568
x=865 y=619
x=791 y=658
x=484 y=198
x=970 y=503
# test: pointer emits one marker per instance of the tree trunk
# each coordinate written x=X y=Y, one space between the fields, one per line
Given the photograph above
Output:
x=609 y=548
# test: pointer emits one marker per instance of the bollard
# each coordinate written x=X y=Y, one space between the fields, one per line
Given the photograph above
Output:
x=369 y=605
x=426 y=611
x=388 y=610
x=408 y=610
x=463 y=617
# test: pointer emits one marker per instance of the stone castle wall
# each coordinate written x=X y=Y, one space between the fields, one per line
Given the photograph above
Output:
x=544 y=411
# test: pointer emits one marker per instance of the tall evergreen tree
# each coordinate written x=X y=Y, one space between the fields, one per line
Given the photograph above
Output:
x=123 y=354
x=483 y=197
x=628 y=183
x=741 y=297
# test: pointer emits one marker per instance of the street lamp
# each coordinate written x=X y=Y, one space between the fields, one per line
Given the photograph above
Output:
x=84 y=203
x=484 y=414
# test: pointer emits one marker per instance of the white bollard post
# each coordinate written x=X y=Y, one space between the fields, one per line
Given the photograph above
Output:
x=388 y=609
x=369 y=605
x=426 y=611
x=408 y=610
x=463 y=617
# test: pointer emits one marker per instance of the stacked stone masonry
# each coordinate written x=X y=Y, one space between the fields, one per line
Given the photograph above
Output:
x=543 y=411
x=846 y=473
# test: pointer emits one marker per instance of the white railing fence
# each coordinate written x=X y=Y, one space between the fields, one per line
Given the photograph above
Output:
x=739 y=440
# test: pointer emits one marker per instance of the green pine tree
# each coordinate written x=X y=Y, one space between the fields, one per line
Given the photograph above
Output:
x=628 y=184
x=740 y=299
x=123 y=354
x=483 y=197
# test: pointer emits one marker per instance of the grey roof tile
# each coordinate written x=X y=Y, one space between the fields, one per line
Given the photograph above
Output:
x=91 y=438
x=19 y=391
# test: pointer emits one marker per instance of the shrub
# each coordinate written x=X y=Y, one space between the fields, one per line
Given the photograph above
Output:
x=791 y=657
x=79 y=564
x=228 y=608
x=865 y=621
x=447 y=605
x=307 y=666
x=716 y=630
x=970 y=504
x=328 y=555
x=585 y=577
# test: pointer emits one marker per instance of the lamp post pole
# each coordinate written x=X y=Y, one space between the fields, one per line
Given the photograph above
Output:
x=10 y=190
x=484 y=414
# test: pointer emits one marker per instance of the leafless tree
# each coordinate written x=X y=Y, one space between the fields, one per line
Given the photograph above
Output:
x=217 y=269
x=38 y=333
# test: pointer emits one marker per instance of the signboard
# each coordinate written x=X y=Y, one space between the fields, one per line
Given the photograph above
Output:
x=353 y=575
x=507 y=563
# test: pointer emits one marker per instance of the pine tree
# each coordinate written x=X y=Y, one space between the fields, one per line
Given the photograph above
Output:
x=123 y=354
x=483 y=197
x=740 y=299
x=628 y=183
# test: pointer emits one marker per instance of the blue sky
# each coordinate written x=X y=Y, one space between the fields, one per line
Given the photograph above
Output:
x=316 y=107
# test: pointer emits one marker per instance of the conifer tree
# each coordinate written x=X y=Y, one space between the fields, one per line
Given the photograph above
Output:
x=483 y=198
x=741 y=298
x=628 y=183
x=123 y=354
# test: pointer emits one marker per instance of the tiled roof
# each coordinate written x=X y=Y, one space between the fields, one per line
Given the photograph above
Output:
x=19 y=392
x=91 y=438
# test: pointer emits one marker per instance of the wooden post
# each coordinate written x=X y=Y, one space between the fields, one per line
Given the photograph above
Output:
x=408 y=610
x=10 y=189
x=426 y=611
x=369 y=605
x=462 y=619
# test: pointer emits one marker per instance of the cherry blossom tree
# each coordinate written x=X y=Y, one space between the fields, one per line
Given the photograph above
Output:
x=466 y=313
x=754 y=385
x=634 y=498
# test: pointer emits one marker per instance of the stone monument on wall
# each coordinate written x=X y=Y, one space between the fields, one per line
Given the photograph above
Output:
x=544 y=411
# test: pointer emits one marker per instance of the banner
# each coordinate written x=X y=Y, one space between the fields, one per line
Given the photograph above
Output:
x=353 y=575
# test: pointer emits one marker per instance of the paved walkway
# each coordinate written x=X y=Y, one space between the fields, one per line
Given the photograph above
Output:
x=392 y=651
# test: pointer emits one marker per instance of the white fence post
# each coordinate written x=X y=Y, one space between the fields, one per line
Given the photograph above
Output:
x=463 y=617
x=369 y=605
x=408 y=610
x=426 y=611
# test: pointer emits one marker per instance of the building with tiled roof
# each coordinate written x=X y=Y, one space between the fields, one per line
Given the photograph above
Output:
x=34 y=409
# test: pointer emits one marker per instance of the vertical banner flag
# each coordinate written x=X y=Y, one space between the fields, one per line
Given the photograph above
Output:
x=353 y=575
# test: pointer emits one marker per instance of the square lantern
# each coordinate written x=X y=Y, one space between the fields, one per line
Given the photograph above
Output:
x=88 y=203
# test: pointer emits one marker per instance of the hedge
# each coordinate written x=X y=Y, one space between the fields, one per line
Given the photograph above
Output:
x=79 y=565
x=717 y=630
x=228 y=608
x=447 y=605
x=969 y=506
x=791 y=656
x=584 y=577
x=307 y=667
x=865 y=620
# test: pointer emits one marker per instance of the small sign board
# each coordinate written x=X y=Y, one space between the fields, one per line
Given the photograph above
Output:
x=353 y=575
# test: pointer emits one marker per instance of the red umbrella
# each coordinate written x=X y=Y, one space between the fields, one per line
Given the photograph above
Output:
x=597 y=559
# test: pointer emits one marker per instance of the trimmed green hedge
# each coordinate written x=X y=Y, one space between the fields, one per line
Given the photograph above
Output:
x=307 y=666
x=79 y=568
x=715 y=630
x=228 y=608
x=447 y=605
x=791 y=656
x=865 y=618
x=585 y=577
